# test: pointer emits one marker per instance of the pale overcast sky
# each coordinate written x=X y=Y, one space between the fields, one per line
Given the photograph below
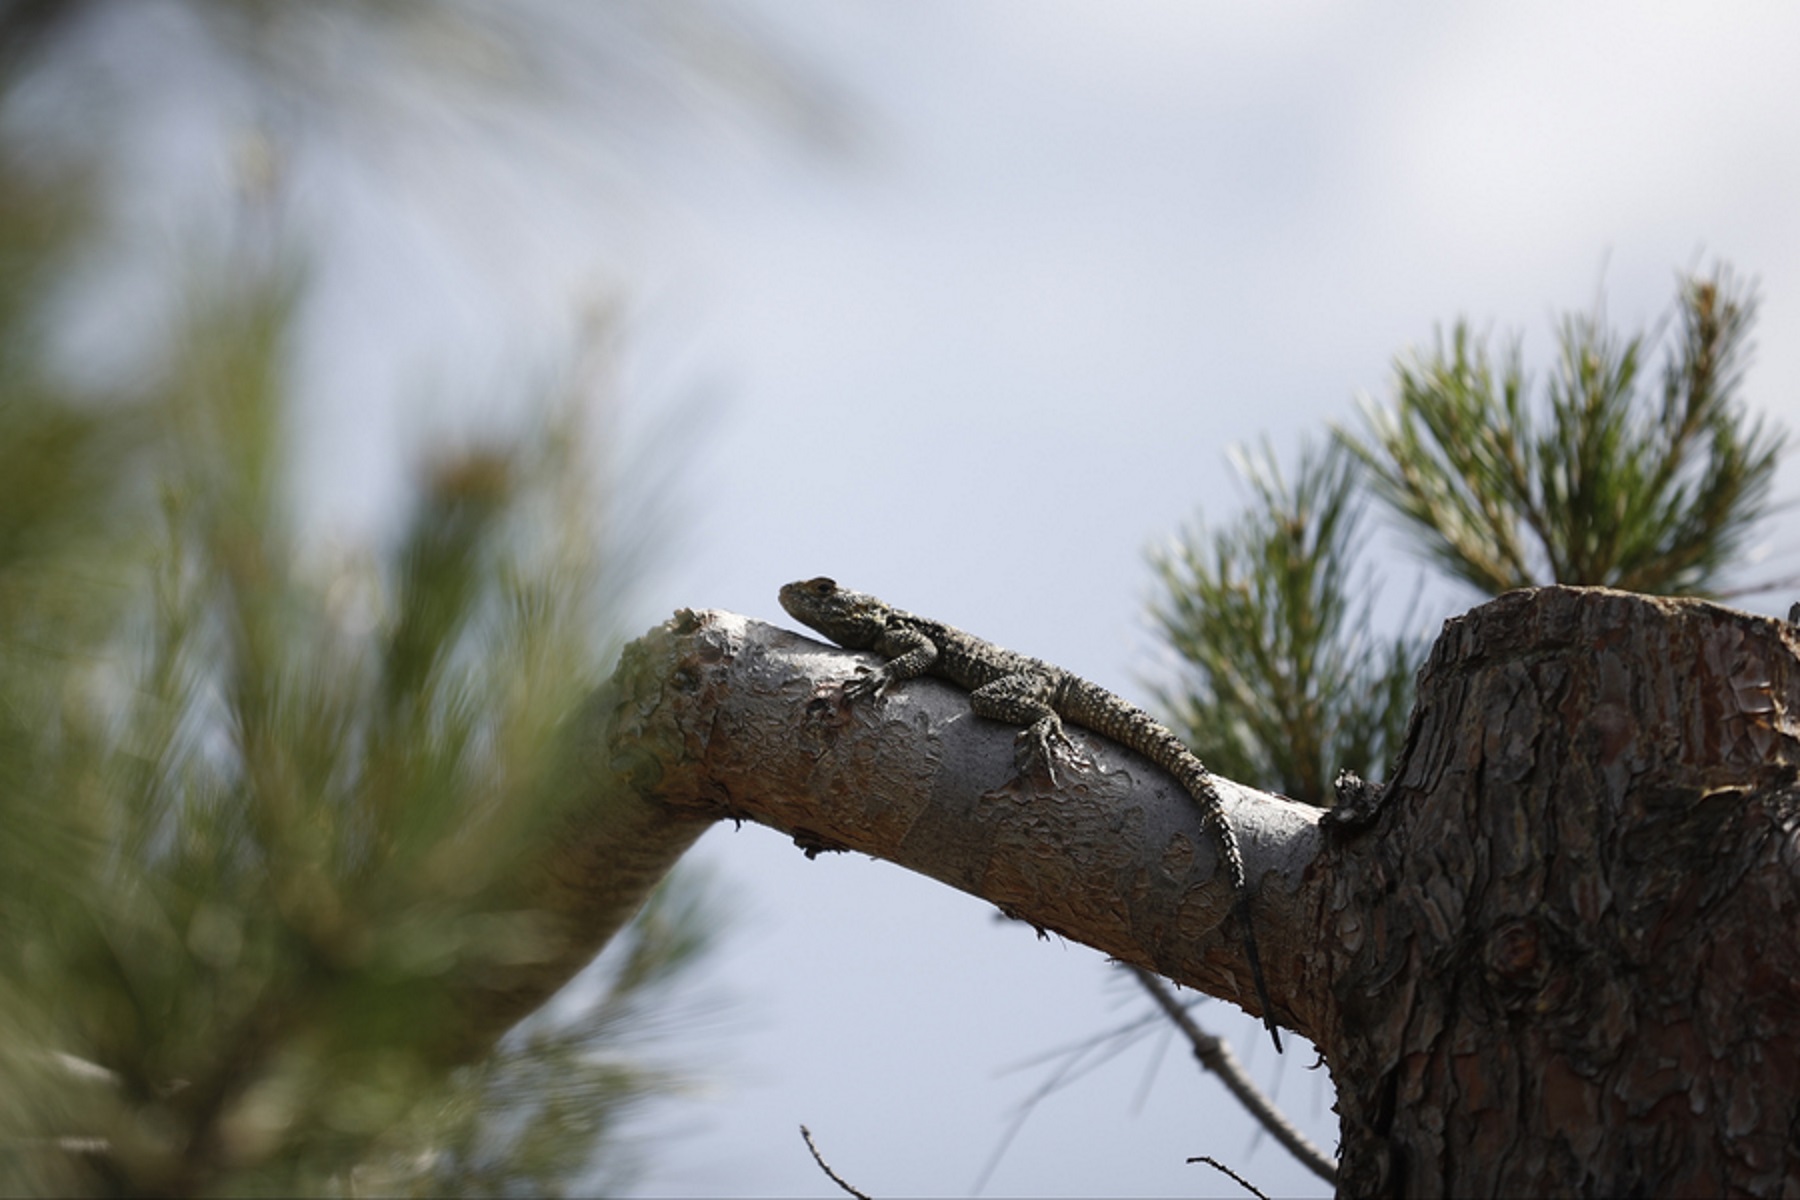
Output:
x=984 y=365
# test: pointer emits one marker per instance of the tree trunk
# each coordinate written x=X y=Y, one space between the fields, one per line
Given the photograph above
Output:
x=1556 y=955
x=1564 y=955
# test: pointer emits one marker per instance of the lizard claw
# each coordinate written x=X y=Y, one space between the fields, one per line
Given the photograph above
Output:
x=869 y=682
x=1039 y=746
x=1031 y=757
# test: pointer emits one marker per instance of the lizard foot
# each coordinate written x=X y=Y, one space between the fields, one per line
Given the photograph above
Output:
x=1039 y=746
x=869 y=683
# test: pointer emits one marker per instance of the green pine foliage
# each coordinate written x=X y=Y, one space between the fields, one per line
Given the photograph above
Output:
x=1620 y=476
x=1284 y=684
x=264 y=805
x=1605 y=479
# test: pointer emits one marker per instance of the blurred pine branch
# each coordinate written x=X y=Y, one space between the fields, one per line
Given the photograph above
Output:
x=265 y=806
x=263 y=815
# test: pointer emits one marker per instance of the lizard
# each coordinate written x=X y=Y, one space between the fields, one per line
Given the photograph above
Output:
x=1024 y=691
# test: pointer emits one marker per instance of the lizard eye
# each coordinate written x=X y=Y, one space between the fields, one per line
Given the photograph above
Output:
x=822 y=586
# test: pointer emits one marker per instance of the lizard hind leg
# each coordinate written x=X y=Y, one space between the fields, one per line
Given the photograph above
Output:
x=1023 y=700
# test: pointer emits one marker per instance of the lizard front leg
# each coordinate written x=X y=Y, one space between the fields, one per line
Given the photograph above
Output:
x=909 y=654
x=1023 y=698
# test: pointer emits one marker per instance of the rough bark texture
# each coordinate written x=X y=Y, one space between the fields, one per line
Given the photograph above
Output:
x=1566 y=954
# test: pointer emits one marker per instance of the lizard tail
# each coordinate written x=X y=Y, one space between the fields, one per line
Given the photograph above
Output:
x=1256 y=971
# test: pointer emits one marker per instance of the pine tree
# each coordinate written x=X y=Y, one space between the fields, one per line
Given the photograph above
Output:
x=1599 y=481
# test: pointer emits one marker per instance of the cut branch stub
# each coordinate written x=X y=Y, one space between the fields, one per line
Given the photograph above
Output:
x=1569 y=945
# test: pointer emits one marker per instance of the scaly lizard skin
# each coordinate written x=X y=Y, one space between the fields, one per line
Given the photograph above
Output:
x=1004 y=686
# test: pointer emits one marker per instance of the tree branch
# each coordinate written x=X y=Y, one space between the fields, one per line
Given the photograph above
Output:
x=1216 y=1056
x=715 y=716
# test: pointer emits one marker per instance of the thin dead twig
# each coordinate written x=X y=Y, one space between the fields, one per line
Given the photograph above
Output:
x=826 y=1167
x=1216 y=1056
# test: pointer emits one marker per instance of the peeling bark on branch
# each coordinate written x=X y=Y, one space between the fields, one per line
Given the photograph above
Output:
x=1112 y=856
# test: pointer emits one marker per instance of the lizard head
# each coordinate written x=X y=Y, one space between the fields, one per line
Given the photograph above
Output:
x=854 y=620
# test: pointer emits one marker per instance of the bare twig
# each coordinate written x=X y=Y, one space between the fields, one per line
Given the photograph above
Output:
x=1218 y=1058
x=1242 y=1182
x=826 y=1167
x=1078 y=1060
